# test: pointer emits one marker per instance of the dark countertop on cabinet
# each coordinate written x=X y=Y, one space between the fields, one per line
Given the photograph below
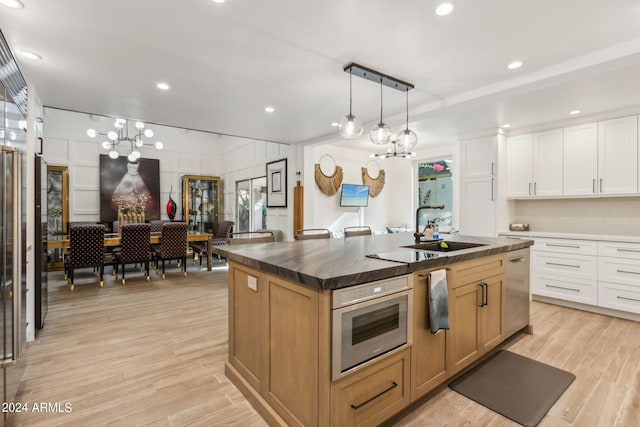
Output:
x=341 y=262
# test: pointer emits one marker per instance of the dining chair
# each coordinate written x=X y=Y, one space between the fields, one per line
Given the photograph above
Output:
x=245 y=237
x=135 y=248
x=173 y=245
x=220 y=238
x=311 y=233
x=86 y=249
x=361 y=230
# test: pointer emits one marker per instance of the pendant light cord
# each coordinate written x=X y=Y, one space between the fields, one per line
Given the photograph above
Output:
x=350 y=100
x=407 y=92
x=380 y=100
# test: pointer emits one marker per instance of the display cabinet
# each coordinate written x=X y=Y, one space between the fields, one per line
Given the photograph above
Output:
x=201 y=202
x=57 y=210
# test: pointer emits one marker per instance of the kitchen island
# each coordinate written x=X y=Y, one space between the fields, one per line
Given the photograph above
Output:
x=282 y=323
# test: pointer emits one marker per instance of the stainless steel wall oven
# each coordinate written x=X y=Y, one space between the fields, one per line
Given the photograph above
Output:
x=368 y=321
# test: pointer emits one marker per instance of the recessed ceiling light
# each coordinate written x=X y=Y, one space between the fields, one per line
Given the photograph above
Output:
x=335 y=124
x=514 y=65
x=444 y=9
x=15 y=4
x=162 y=86
x=574 y=112
x=30 y=55
x=505 y=126
x=269 y=109
x=218 y=1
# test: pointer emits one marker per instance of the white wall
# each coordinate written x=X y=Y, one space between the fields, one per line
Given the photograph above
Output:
x=186 y=152
x=394 y=206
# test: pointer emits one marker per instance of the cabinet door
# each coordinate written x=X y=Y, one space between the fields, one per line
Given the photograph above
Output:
x=519 y=166
x=478 y=158
x=462 y=338
x=580 y=160
x=547 y=163
x=428 y=368
x=618 y=156
x=478 y=217
x=491 y=314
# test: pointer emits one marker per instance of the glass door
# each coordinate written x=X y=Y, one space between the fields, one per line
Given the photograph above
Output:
x=251 y=205
x=435 y=187
x=57 y=210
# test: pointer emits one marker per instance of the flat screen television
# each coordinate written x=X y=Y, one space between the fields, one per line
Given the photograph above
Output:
x=354 y=195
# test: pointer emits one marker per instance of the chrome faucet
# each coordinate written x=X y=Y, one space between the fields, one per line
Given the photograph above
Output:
x=417 y=234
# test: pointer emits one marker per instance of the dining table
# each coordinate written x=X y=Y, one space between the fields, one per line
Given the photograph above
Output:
x=114 y=239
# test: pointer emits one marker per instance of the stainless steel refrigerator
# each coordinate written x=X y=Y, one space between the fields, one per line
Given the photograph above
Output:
x=12 y=271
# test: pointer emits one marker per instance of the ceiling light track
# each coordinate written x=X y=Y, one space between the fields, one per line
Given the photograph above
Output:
x=377 y=77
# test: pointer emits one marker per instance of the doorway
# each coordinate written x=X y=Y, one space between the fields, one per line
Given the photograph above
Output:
x=251 y=204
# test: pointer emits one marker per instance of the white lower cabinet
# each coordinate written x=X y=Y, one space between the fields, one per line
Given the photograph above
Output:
x=619 y=276
x=599 y=273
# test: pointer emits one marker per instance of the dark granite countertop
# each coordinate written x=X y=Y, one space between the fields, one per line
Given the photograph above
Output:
x=342 y=262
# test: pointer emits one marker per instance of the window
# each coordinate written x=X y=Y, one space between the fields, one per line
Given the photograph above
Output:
x=435 y=188
x=251 y=205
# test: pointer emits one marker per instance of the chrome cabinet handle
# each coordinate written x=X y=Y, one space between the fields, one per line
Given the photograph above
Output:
x=560 y=287
x=557 y=245
x=627 y=250
x=492 y=173
x=628 y=299
x=535 y=191
x=529 y=188
x=563 y=265
x=628 y=272
x=601 y=185
x=593 y=186
x=388 y=389
x=520 y=259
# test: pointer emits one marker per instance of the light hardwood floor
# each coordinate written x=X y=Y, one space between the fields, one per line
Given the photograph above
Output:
x=153 y=354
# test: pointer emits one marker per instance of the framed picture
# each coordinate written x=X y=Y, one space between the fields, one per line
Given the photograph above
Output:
x=135 y=184
x=277 y=184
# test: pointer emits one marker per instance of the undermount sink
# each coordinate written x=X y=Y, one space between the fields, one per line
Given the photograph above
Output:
x=442 y=246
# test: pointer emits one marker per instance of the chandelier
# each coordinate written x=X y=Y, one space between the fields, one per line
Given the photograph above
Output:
x=393 y=152
x=382 y=134
x=121 y=136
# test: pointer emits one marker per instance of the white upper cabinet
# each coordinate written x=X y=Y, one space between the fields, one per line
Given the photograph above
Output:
x=519 y=165
x=618 y=156
x=478 y=187
x=534 y=164
x=580 y=158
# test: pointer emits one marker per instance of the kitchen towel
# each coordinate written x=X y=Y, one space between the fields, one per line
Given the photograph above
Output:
x=438 y=304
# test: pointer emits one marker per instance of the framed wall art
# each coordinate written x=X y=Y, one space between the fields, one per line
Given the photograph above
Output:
x=277 y=184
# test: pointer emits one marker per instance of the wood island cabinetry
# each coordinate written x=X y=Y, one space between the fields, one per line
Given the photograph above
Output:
x=280 y=346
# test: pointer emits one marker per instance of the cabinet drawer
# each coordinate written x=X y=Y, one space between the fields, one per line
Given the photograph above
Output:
x=475 y=270
x=617 y=270
x=566 y=246
x=373 y=394
x=619 y=297
x=568 y=266
x=583 y=291
x=619 y=250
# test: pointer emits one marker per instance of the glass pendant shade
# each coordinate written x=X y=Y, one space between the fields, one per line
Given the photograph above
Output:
x=113 y=154
x=407 y=139
x=350 y=127
x=380 y=134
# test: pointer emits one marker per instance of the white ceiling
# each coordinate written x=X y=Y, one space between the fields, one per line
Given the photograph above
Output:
x=226 y=62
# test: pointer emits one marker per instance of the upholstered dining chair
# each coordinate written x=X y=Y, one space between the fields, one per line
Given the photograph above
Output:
x=312 y=233
x=86 y=249
x=173 y=245
x=135 y=248
x=220 y=238
x=361 y=230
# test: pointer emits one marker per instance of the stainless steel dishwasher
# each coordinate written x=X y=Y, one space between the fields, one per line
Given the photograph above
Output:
x=516 y=292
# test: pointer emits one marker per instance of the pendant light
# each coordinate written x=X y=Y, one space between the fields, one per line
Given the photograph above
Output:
x=350 y=127
x=380 y=134
x=407 y=139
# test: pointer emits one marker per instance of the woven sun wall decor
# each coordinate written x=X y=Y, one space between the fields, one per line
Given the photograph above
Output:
x=375 y=184
x=328 y=184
